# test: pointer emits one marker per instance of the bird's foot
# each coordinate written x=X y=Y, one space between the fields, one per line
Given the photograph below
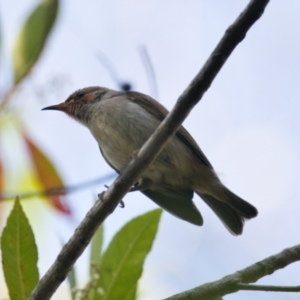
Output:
x=101 y=197
x=121 y=203
x=141 y=185
x=151 y=168
x=134 y=154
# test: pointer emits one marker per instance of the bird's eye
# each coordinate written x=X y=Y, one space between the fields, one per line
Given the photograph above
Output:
x=80 y=94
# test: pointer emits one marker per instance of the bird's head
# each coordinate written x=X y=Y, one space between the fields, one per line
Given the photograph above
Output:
x=78 y=103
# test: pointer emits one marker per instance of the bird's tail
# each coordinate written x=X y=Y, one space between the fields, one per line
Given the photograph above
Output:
x=232 y=210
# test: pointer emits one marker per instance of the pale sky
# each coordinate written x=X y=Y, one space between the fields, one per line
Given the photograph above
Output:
x=247 y=124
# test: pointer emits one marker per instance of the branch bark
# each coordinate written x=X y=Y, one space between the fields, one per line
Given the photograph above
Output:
x=235 y=282
x=110 y=199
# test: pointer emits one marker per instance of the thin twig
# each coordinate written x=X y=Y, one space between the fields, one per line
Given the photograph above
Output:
x=268 y=288
x=56 y=191
x=124 y=86
x=150 y=71
x=236 y=281
x=107 y=64
x=110 y=199
x=8 y=96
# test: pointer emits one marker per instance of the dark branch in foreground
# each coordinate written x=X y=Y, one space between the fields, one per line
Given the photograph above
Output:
x=237 y=281
x=111 y=198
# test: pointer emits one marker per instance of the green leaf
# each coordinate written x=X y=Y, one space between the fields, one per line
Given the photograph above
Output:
x=19 y=254
x=71 y=277
x=122 y=262
x=32 y=37
x=95 y=263
x=96 y=247
x=1 y=187
x=72 y=282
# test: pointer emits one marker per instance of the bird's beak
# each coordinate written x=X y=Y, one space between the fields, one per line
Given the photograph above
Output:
x=65 y=107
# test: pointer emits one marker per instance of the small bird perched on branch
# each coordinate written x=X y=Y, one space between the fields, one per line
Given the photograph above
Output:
x=121 y=122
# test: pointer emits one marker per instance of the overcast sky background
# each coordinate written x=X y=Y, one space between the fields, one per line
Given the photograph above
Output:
x=247 y=124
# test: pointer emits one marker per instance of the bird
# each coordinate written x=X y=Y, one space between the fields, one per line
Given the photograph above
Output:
x=121 y=122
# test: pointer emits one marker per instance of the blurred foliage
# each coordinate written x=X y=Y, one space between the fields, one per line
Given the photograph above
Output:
x=19 y=254
x=73 y=283
x=32 y=37
x=96 y=249
x=19 y=251
x=114 y=273
x=46 y=173
x=1 y=184
x=26 y=53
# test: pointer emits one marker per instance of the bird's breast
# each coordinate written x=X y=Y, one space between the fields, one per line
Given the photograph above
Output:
x=121 y=127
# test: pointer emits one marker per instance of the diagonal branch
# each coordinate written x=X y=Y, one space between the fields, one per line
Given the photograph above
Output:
x=110 y=199
x=236 y=281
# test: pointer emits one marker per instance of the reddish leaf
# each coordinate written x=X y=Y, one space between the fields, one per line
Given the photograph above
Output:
x=47 y=174
x=59 y=203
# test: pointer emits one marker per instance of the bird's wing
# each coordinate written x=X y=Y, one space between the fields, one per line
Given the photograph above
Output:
x=178 y=202
x=160 y=112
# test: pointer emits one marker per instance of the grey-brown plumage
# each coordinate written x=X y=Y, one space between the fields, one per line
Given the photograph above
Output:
x=122 y=122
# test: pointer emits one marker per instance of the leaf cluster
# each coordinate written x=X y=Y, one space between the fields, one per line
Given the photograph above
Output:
x=114 y=274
